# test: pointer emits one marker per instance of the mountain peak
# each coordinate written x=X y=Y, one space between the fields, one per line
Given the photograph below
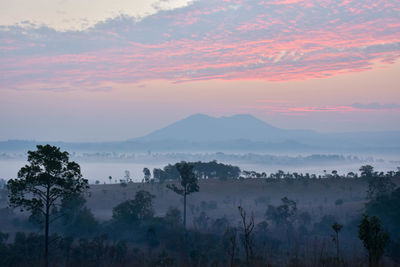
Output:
x=201 y=127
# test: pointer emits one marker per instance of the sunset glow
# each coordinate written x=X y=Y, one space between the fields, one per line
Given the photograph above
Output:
x=278 y=50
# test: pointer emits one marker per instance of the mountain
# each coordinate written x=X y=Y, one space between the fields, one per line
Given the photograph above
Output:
x=203 y=128
x=238 y=133
x=246 y=132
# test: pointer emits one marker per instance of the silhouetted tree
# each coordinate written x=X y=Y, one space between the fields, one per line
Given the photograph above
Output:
x=132 y=211
x=379 y=186
x=230 y=244
x=77 y=219
x=188 y=182
x=374 y=238
x=247 y=229
x=49 y=178
x=366 y=171
x=147 y=175
x=336 y=228
x=283 y=214
x=173 y=216
x=127 y=176
x=387 y=209
x=159 y=175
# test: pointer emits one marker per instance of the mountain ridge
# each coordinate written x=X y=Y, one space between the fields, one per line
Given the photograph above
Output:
x=201 y=127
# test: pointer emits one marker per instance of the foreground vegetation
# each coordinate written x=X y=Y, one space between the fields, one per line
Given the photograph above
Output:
x=239 y=228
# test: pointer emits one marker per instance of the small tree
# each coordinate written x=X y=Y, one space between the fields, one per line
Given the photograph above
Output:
x=132 y=211
x=127 y=176
x=77 y=219
x=48 y=179
x=335 y=238
x=284 y=214
x=374 y=238
x=188 y=184
x=146 y=175
x=230 y=244
x=366 y=171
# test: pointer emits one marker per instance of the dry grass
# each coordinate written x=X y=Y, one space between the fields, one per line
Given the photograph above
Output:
x=315 y=196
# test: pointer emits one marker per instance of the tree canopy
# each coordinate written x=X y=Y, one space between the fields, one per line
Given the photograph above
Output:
x=42 y=184
x=132 y=211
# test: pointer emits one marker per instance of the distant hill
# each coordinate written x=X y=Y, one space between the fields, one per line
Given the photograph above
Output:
x=247 y=132
x=203 y=128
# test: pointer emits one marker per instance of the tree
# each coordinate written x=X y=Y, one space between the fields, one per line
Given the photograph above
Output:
x=247 y=229
x=188 y=182
x=387 y=209
x=374 y=238
x=77 y=219
x=48 y=179
x=379 y=186
x=336 y=228
x=159 y=175
x=283 y=214
x=366 y=171
x=147 y=175
x=173 y=216
x=110 y=178
x=127 y=176
x=230 y=244
x=132 y=211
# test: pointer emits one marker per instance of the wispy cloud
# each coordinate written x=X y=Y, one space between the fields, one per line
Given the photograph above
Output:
x=209 y=39
x=376 y=106
x=293 y=109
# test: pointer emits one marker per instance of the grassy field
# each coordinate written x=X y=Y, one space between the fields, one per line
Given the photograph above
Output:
x=343 y=198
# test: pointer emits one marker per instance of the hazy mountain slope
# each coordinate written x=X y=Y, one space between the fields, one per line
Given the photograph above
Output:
x=201 y=127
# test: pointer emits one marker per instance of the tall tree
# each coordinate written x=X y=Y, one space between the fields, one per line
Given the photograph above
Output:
x=335 y=238
x=188 y=182
x=247 y=229
x=42 y=184
x=374 y=238
x=147 y=175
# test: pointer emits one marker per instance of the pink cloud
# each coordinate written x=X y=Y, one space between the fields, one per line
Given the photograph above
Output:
x=232 y=40
x=292 y=109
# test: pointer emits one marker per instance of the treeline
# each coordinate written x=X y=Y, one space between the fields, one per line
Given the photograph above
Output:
x=203 y=170
x=366 y=171
x=215 y=170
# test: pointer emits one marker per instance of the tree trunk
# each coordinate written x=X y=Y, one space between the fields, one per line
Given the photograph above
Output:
x=337 y=246
x=46 y=238
x=184 y=210
x=46 y=231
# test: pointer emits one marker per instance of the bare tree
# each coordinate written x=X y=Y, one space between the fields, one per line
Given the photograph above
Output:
x=247 y=237
x=231 y=245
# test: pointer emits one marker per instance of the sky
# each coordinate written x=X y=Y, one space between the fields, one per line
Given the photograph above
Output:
x=100 y=70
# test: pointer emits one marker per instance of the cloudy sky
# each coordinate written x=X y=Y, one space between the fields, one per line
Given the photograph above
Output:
x=110 y=70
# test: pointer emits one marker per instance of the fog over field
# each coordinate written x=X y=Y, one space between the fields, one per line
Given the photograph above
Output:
x=101 y=169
